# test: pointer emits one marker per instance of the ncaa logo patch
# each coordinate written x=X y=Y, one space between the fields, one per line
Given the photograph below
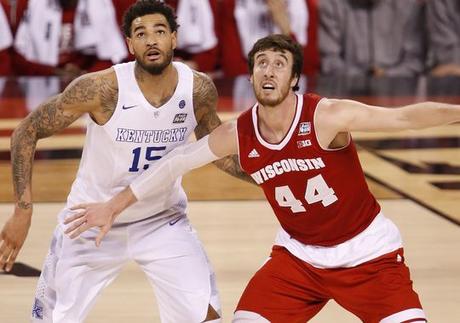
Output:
x=303 y=143
x=304 y=128
x=180 y=118
x=182 y=104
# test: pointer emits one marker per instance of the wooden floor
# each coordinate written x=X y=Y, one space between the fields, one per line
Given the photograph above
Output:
x=415 y=175
x=237 y=236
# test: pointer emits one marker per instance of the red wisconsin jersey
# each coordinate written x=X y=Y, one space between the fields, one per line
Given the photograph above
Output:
x=319 y=196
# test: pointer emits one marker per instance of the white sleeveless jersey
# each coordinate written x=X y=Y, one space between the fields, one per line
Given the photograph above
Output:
x=134 y=139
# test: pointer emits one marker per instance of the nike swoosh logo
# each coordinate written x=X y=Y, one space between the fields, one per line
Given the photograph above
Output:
x=175 y=220
x=126 y=107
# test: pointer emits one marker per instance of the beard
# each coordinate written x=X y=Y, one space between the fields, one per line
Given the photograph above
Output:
x=271 y=102
x=268 y=102
x=156 y=68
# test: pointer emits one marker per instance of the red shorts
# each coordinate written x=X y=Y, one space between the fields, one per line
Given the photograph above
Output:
x=287 y=289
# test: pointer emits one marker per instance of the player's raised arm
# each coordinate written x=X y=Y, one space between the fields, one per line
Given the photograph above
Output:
x=219 y=143
x=85 y=94
x=342 y=116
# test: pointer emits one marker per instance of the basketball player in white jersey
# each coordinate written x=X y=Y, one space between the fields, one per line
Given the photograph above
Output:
x=139 y=112
x=334 y=241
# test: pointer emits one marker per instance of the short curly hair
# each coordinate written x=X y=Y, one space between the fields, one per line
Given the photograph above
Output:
x=278 y=42
x=148 y=7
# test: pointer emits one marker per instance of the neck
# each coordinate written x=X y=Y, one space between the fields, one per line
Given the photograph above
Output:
x=157 y=88
x=275 y=121
x=165 y=77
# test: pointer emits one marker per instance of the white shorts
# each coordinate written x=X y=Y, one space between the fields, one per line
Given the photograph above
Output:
x=171 y=255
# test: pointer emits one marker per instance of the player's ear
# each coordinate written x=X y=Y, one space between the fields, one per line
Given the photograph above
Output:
x=294 y=81
x=130 y=45
x=174 y=39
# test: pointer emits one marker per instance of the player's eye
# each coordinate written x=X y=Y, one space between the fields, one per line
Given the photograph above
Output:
x=279 y=64
x=262 y=63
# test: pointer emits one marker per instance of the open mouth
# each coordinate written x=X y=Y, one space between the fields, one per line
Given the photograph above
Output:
x=268 y=86
x=153 y=55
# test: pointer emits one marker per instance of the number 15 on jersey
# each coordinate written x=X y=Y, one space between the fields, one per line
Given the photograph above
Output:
x=150 y=155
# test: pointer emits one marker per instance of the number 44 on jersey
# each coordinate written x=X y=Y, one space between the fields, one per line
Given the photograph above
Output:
x=316 y=191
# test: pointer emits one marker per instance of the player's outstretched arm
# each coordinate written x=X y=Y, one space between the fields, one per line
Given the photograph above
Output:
x=340 y=116
x=219 y=143
x=82 y=95
x=205 y=103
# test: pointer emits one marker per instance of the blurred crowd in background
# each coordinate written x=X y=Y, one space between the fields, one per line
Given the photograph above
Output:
x=371 y=38
x=352 y=37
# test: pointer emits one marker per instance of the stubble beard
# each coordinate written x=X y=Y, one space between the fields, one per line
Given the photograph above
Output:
x=271 y=102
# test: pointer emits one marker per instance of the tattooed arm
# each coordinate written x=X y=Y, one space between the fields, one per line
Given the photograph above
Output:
x=205 y=103
x=93 y=93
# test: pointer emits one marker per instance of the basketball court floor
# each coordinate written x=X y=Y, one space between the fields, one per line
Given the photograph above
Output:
x=237 y=236
x=415 y=176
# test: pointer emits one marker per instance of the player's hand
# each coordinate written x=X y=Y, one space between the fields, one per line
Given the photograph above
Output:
x=12 y=238
x=90 y=215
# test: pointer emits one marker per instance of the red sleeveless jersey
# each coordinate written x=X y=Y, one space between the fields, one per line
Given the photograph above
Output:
x=319 y=196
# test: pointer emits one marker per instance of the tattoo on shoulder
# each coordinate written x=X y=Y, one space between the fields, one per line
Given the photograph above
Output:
x=98 y=87
x=81 y=90
x=205 y=104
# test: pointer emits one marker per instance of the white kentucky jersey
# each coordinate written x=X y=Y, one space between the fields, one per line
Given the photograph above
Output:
x=134 y=139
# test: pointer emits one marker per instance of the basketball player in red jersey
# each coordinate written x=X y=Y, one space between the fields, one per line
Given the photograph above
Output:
x=334 y=242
